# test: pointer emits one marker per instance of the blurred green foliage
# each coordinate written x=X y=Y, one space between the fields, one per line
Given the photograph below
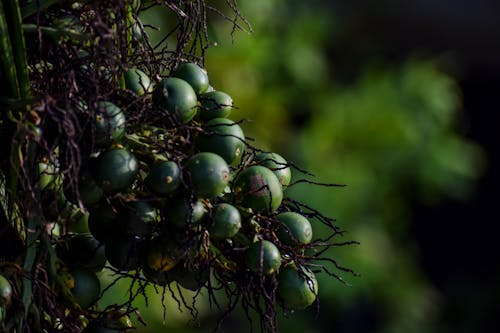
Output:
x=392 y=134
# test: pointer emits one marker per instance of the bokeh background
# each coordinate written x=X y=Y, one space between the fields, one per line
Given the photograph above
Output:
x=399 y=100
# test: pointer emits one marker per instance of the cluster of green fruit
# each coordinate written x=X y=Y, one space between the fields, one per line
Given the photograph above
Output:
x=182 y=216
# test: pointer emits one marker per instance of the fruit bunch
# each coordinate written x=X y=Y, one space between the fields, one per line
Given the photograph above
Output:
x=130 y=160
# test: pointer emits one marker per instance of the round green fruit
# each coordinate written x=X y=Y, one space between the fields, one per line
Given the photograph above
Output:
x=258 y=188
x=5 y=292
x=137 y=81
x=192 y=279
x=50 y=178
x=109 y=124
x=294 y=229
x=138 y=217
x=90 y=192
x=82 y=251
x=115 y=170
x=164 y=177
x=177 y=97
x=196 y=76
x=123 y=253
x=208 y=173
x=263 y=257
x=226 y=221
x=277 y=164
x=215 y=104
x=297 y=289
x=103 y=221
x=86 y=288
x=183 y=214
x=224 y=138
x=161 y=255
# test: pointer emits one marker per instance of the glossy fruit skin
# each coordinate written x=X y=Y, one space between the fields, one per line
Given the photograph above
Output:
x=263 y=257
x=183 y=214
x=5 y=292
x=297 y=291
x=137 y=81
x=258 y=188
x=215 y=104
x=177 y=98
x=193 y=74
x=277 y=164
x=223 y=137
x=123 y=253
x=164 y=177
x=90 y=192
x=208 y=173
x=226 y=221
x=86 y=287
x=115 y=170
x=82 y=251
x=294 y=230
x=109 y=124
x=138 y=218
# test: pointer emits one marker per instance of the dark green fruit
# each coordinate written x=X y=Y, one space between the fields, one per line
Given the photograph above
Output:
x=5 y=292
x=90 y=192
x=123 y=253
x=103 y=222
x=115 y=170
x=295 y=229
x=78 y=222
x=50 y=178
x=85 y=287
x=164 y=177
x=137 y=81
x=192 y=279
x=277 y=164
x=263 y=257
x=183 y=214
x=176 y=97
x=82 y=251
x=226 y=221
x=215 y=104
x=297 y=290
x=138 y=218
x=208 y=174
x=224 y=138
x=109 y=124
x=161 y=255
x=194 y=75
x=258 y=188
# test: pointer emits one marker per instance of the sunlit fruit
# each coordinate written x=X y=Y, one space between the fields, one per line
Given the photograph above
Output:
x=258 y=188
x=223 y=137
x=137 y=81
x=5 y=292
x=85 y=287
x=207 y=173
x=294 y=229
x=277 y=164
x=215 y=104
x=109 y=124
x=115 y=170
x=226 y=221
x=164 y=177
x=177 y=98
x=297 y=288
x=263 y=257
x=196 y=76
x=82 y=251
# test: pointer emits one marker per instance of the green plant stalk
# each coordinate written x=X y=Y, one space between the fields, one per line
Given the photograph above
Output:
x=7 y=57
x=14 y=19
